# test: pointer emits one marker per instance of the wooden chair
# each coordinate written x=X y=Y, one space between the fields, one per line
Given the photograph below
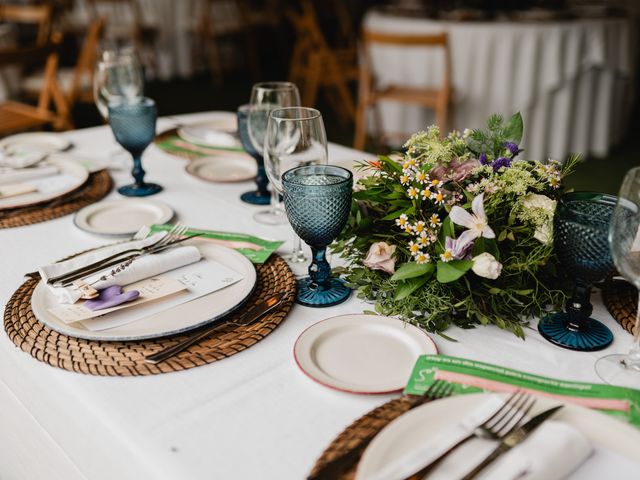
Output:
x=315 y=65
x=369 y=94
x=76 y=82
x=37 y=15
x=230 y=19
x=124 y=23
x=16 y=116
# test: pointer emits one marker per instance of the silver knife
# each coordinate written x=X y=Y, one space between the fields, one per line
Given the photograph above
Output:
x=252 y=315
x=512 y=439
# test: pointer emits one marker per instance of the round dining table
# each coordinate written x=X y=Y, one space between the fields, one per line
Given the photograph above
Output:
x=253 y=415
x=571 y=80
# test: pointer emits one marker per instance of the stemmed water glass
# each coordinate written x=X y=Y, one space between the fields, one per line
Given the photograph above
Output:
x=580 y=229
x=295 y=136
x=134 y=125
x=624 y=239
x=118 y=76
x=317 y=200
x=265 y=97
x=261 y=196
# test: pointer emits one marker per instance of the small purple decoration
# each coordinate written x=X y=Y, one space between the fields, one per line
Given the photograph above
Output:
x=110 y=297
x=483 y=159
x=513 y=148
x=501 y=162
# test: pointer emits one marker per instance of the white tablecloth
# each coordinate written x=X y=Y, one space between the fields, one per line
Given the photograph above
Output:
x=572 y=81
x=254 y=415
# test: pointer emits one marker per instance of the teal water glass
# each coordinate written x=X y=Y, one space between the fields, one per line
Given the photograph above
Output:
x=580 y=239
x=261 y=196
x=134 y=125
x=317 y=199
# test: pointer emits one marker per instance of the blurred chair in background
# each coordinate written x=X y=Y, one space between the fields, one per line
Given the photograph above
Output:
x=126 y=25
x=36 y=16
x=16 y=116
x=315 y=65
x=369 y=93
x=76 y=82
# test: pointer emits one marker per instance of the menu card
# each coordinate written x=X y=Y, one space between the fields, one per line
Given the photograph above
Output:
x=469 y=376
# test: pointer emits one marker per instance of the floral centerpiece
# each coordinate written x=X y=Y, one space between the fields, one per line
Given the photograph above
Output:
x=457 y=230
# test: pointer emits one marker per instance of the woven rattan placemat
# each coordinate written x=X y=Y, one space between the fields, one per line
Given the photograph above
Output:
x=363 y=427
x=127 y=358
x=621 y=299
x=95 y=188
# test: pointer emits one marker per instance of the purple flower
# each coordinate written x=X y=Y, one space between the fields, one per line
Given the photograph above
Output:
x=513 y=148
x=459 y=250
x=483 y=159
x=501 y=162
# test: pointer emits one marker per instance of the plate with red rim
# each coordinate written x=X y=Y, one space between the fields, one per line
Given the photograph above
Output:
x=358 y=353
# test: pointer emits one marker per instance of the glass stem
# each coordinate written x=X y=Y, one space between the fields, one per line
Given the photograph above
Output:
x=137 y=171
x=633 y=357
x=262 y=181
x=319 y=270
x=297 y=254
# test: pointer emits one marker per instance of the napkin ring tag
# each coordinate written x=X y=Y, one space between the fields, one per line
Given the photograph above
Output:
x=88 y=292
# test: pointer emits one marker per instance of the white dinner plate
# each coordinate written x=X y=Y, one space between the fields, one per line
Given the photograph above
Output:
x=421 y=424
x=361 y=353
x=218 y=133
x=75 y=176
x=224 y=168
x=43 y=141
x=122 y=217
x=181 y=318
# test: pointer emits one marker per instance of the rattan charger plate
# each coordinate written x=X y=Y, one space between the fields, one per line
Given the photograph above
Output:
x=621 y=300
x=365 y=426
x=95 y=188
x=127 y=358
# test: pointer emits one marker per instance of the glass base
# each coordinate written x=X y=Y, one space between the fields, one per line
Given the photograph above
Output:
x=311 y=295
x=593 y=336
x=271 y=217
x=144 y=190
x=256 y=198
x=613 y=370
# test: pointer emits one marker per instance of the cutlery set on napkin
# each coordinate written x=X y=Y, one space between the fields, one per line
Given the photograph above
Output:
x=20 y=168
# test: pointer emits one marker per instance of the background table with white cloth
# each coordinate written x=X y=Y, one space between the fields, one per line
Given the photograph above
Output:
x=253 y=415
x=572 y=80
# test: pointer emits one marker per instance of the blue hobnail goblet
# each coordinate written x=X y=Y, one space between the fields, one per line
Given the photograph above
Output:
x=261 y=196
x=317 y=199
x=580 y=239
x=134 y=125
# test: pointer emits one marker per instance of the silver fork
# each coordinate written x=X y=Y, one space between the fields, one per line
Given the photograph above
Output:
x=174 y=234
x=506 y=419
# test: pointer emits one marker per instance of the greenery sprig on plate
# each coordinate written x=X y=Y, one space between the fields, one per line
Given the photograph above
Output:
x=457 y=230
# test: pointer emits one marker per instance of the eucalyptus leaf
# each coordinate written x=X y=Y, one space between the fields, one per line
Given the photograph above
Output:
x=513 y=128
x=453 y=270
x=412 y=270
x=407 y=287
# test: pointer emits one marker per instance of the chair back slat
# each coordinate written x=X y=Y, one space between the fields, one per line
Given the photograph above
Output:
x=37 y=15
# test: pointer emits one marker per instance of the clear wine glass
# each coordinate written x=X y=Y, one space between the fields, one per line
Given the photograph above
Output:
x=624 y=239
x=295 y=137
x=118 y=75
x=265 y=97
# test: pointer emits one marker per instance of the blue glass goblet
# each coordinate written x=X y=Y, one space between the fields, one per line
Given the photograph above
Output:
x=580 y=239
x=317 y=199
x=134 y=125
x=261 y=196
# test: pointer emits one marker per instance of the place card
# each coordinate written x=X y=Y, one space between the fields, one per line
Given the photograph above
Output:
x=150 y=289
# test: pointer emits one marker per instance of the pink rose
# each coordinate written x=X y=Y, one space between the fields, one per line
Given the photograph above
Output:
x=380 y=257
x=456 y=170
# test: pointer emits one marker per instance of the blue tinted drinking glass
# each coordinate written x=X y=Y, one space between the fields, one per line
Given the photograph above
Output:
x=134 y=125
x=580 y=239
x=261 y=196
x=317 y=199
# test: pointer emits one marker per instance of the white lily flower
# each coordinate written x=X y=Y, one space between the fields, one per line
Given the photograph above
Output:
x=476 y=224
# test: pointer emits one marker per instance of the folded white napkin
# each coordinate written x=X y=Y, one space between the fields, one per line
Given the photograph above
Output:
x=553 y=451
x=11 y=175
x=15 y=189
x=144 y=267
